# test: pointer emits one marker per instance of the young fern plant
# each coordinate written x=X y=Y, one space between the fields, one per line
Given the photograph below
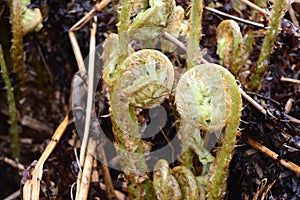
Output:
x=140 y=79
x=234 y=52
x=229 y=40
x=151 y=23
x=178 y=183
x=146 y=81
x=193 y=54
x=207 y=98
x=143 y=80
x=233 y=49
x=278 y=10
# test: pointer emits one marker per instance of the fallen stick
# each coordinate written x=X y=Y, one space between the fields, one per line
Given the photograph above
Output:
x=13 y=163
x=259 y=9
x=288 y=164
x=234 y=17
x=291 y=80
x=31 y=189
x=14 y=195
x=261 y=109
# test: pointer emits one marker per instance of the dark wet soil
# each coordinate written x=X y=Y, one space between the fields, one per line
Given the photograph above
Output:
x=50 y=66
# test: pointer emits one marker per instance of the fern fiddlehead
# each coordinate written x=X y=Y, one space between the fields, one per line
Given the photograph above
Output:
x=177 y=183
x=207 y=98
x=145 y=81
x=233 y=49
x=229 y=45
x=142 y=79
x=150 y=23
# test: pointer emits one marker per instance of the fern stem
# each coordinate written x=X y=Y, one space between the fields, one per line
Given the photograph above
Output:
x=278 y=10
x=12 y=108
x=193 y=51
x=217 y=185
x=17 y=53
x=122 y=30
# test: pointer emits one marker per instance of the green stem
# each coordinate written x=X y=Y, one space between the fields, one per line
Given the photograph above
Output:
x=132 y=166
x=122 y=30
x=193 y=52
x=278 y=10
x=17 y=53
x=217 y=185
x=12 y=108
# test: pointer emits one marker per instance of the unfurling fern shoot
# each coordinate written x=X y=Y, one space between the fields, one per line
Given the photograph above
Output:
x=145 y=81
x=177 y=183
x=207 y=98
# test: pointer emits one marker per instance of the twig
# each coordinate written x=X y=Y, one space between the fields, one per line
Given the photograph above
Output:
x=259 y=9
x=31 y=189
x=261 y=109
x=74 y=43
x=260 y=189
x=45 y=62
x=89 y=104
x=234 y=17
x=253 y=102
x=297 y=121
x=288 y=105
x=291 y=80
x=95 y=173
x=174 y=40
x=83 y=190
x=31 y=123
x=107 y=178
x=2 y=11
x=98 y=7
x=35 y=125
x=290 y=165
x=293 y=15
x=15 y=195
x=119 y=195
x=268 y=189
x=13 y=163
